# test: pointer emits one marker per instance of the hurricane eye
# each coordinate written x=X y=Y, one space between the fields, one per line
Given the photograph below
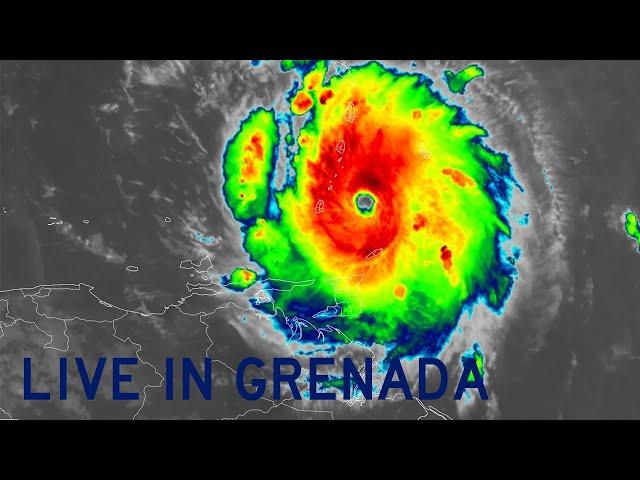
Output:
x=365 y=203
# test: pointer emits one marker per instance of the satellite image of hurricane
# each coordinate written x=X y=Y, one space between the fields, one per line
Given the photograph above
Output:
x=382 y=211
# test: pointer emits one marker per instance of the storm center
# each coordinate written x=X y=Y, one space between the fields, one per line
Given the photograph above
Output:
x=365 y=203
